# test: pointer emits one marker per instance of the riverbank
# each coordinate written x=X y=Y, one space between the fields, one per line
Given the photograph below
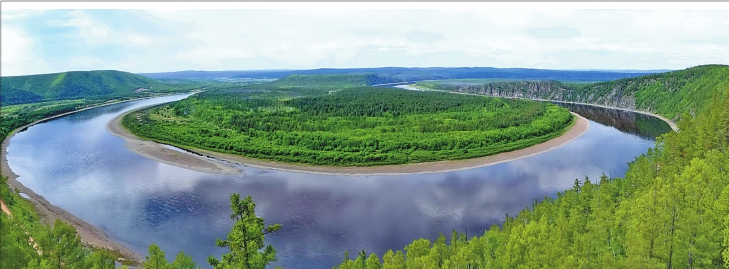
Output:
x=670 y=123
x=189 y=160
x=157 y=152
x=48 y=213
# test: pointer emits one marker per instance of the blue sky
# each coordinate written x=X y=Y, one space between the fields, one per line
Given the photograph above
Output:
x=137 y=37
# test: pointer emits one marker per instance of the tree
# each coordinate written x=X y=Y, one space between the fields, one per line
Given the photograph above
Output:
x=62 y=247
x=246 y=239
x=156 y=258
x=183 y=261
x=15 y=252
x=100 y=260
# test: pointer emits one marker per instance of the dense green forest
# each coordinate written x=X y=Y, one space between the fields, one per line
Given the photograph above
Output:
x=334 y=80
x=670 y=211
x=90 y=85
x=351 y=127
x=668 y=94
x=55 y=93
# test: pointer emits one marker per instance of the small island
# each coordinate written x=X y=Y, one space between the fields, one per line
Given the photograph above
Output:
x=346 y=130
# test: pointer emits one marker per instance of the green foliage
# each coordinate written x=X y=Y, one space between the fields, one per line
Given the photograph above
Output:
x=670 y=211
x=670 y=94
x=62 y=247
x=14 y=247
x=105 y=84
x=245 y=240
x=351 y=127
x=99 y=260
x=334 y=80
x=157 y=260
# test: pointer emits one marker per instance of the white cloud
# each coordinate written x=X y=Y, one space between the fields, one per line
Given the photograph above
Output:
x=86 y=63
x=273 y=39
x=17 y=54
x=139 y=40
x=99 y=32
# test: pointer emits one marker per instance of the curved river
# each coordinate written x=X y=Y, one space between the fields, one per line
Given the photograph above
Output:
x=76 y=164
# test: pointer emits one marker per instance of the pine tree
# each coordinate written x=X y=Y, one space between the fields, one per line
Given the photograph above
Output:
x=245 y=240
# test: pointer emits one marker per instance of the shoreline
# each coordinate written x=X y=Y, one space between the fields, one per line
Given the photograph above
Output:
x=149 y=148
x=48 y=213
x=155 y=151
x=670 y=123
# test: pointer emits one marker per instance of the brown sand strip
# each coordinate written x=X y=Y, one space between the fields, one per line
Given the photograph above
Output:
x=5 y=208
x=157 y=152
x=580 y=126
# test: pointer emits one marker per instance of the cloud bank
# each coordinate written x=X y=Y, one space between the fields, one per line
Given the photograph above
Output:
x=43 y=41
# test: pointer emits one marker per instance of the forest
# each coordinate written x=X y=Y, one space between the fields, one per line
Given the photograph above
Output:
x=92 y=85
x=358 y=126
x=670 y=94
x=671 y=210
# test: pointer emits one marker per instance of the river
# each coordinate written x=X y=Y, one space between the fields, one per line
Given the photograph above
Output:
x=77 y=165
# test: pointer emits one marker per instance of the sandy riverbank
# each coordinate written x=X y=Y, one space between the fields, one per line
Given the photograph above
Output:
x=191 y=161
x=157 y=152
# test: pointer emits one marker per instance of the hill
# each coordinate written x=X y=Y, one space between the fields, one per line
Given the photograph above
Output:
x=671 y=210
x=668 y=94
x=73 y=85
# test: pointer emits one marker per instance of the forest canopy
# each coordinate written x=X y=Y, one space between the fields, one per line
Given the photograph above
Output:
x=358 y=126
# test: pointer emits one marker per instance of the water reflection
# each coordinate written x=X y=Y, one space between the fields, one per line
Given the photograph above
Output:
x=628 y=122
x=78 y=166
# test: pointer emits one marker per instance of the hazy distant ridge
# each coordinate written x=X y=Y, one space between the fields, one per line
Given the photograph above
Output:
x=417 y=74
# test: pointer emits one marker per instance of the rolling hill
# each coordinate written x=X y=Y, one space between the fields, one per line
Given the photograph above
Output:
x=73 y=85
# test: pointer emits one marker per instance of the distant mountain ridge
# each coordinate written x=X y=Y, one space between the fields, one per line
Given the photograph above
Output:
x=416 y=73
x=72 y=85
x=335 y=80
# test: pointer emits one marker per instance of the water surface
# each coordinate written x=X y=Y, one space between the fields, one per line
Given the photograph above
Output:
x=76 y=164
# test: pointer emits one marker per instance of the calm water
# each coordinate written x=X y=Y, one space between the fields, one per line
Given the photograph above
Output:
x=76 y=164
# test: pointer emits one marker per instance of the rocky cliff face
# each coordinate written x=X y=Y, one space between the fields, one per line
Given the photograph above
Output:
x=553 y=90
x=672 y=94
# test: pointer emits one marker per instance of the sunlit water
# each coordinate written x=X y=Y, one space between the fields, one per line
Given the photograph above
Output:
x=76 y=164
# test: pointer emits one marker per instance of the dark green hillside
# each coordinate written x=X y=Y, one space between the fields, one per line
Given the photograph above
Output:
x=668 y=94
x=74 y=85
x=670 y=211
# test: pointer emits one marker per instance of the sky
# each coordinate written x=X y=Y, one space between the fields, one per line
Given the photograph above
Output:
x=137 y=37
